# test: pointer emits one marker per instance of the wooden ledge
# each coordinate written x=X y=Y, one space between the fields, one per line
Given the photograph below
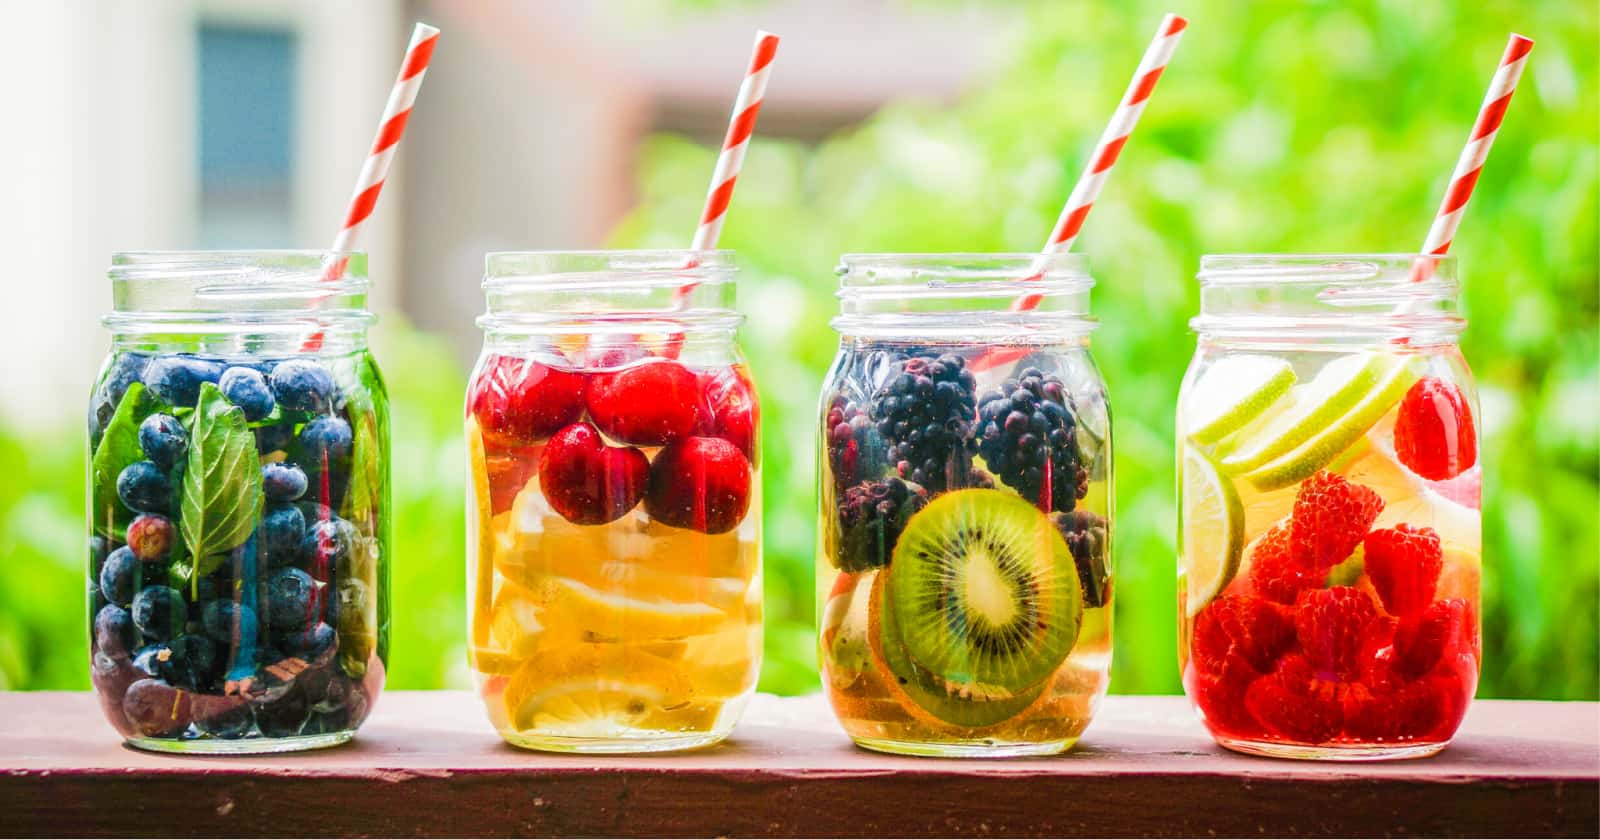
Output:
x=428 y=764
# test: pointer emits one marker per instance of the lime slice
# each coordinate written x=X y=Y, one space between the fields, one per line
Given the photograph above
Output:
x=1213 y=530
x=1234 y=391
x=1340 y=384
x=1395 y=377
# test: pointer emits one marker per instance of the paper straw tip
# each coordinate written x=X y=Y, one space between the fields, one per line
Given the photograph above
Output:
x=1174 y=24
x=763 y=34
x=423 y=31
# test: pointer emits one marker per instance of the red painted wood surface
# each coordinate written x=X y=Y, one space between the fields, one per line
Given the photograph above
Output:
x=428 y=764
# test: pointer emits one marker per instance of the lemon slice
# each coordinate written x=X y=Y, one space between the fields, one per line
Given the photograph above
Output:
x=592 y=691
x=1339 y=386
x=1213 y=530
x=481 y=533
x=1395 y=376
x=610 y=616
x=1234 y=391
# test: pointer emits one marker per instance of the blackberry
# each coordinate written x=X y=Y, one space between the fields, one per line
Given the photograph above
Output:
x=1028 y=437
x=871 y=516
x=925 y=413
x=855 y=452
x=1087 y=538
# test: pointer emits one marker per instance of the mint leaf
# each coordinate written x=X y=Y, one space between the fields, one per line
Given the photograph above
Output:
x=365 y=472
x=222 y=484
x=118 y=448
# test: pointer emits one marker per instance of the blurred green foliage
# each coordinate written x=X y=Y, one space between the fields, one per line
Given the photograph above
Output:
x=1301 y=127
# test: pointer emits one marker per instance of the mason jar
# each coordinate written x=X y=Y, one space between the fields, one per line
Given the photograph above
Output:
x=614 y=502
x=964 y=572
x=1330 y=535
x=238 y=497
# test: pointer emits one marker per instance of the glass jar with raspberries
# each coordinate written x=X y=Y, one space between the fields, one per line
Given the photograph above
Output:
x=614 y=502
x=1330 y=546
x=238 y=503
x=963 y=565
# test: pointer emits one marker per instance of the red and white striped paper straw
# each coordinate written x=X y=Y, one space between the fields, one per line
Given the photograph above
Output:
x=1470 y=164
x=741 y=127
x=375 y=169
x=1093 y=179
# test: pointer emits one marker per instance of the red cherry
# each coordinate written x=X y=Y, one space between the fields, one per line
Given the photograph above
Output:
x=509 y=471
x=518 y=401
x=588 y=482
x=1433 y=431
x=701 y=483
x=732 y=410
x=650 y=404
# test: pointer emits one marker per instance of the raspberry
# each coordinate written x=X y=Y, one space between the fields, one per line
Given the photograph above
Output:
x=1433 y=431
x=1335 y=626
x=1411 y=711
x=1221 y=699
x=1403 y=564
x=1240 y=626
x=1275 y=573
x=1444 y=628
x=1293 y=703
x=1028 y=437
x=1331 y=517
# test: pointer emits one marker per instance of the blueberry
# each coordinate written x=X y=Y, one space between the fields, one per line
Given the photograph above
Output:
x=274 y=438
x=227 y=622
x=147 y=660
x=114 y=633
x=327 y=543
x=125 y=369
x=151 y=536
x=234 y=722
x=326 y=440
x=191 y=662
x=283 y=530
x=283 y=482
x=156 y=709
x=164 y=440
x=311 y=643
x=120 y=576
x=159 y=612
x=293 y=599
x=303 y=385
x=98 y=549
x=144 y=487
x=315 y=511
x=177 y=379
x=247 y=389
x=284 y=717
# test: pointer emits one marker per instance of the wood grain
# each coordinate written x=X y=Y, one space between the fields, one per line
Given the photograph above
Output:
x=427 y=764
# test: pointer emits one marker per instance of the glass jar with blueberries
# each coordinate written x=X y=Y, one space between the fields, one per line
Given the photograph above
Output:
x=963 y=563
x=238 y=503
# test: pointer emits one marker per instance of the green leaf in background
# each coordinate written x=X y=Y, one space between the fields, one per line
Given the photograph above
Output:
x=222 y=483
x=118 y=448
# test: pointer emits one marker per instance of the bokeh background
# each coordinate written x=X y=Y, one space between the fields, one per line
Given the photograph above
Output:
x=912 y=125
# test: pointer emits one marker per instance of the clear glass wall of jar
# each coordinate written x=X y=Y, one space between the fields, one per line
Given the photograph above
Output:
x=614 y=502
x=1330 y=537
x=238 y=503
x=965 y=506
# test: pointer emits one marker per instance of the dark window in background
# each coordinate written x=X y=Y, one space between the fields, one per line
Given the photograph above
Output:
x=247 y=129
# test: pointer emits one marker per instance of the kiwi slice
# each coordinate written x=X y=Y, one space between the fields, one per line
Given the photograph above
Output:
x=984 y=593
x=968 y=707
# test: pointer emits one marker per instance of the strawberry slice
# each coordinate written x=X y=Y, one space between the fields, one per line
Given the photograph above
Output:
x=1403 y=564
x=1433 y=430
x=1331 y=517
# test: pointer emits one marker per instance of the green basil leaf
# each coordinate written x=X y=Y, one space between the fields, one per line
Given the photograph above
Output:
x=221 y=501
x=118 y=448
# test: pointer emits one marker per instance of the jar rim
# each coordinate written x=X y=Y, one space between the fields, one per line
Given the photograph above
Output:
x=1217 y=269
x=147 y=264
x=578 y=269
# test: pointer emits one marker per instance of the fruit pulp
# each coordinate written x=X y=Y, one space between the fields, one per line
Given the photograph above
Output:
x=1341 y=619
x=616 y=587
x=963 y=564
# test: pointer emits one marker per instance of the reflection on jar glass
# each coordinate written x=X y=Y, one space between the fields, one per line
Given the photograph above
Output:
x=1330 y=551
x=963 y=569
x=239 y=489
x=614 y=505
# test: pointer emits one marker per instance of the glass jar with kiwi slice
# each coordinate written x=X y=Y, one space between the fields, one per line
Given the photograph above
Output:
x=963 y=567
